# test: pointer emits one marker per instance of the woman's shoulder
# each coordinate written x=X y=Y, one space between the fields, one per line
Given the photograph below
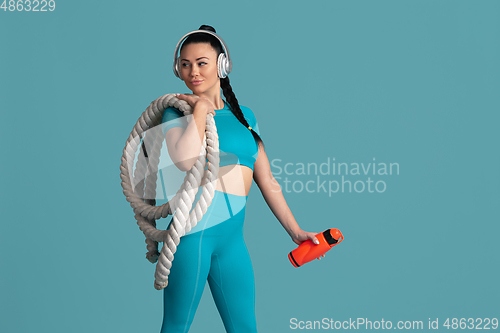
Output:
x=171 y=113
x=247 y=112
x=172 y=109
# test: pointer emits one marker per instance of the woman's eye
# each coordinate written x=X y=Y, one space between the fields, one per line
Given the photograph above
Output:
x=185 y=64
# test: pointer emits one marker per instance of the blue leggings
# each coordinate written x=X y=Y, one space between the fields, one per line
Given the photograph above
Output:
x=215 y=251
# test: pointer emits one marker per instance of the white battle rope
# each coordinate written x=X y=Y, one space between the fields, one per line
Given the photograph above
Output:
x=139 y=187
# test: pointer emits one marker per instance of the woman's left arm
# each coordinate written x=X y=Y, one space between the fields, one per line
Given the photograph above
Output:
x=271 y=191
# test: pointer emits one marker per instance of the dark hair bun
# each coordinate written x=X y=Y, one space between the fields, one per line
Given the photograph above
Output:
x=207 y=27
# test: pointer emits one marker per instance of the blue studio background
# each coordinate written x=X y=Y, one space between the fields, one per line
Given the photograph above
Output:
x=413 y=83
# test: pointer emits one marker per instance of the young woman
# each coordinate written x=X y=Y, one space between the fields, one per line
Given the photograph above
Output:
x=214 y=249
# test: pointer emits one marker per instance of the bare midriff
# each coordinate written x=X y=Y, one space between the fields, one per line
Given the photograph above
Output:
x=234 y=179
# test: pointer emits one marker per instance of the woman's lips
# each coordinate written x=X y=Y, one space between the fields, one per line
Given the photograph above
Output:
x=197 y=82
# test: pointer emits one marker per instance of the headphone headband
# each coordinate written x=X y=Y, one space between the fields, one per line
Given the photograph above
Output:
x=228 y=63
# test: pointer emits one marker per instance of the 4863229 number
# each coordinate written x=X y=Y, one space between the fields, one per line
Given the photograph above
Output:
x=28 y=5
x=471 y=323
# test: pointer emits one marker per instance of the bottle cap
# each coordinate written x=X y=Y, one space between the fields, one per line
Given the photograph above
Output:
x=329 y=237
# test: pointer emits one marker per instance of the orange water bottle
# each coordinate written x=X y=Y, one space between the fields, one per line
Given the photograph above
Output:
x=308 y=251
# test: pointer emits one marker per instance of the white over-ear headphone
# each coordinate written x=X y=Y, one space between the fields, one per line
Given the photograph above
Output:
x=224 y=64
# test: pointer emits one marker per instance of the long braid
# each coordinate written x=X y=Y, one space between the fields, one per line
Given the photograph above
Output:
x=227 y=90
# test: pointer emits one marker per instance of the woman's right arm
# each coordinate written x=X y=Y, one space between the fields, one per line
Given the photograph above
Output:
x=184 y=145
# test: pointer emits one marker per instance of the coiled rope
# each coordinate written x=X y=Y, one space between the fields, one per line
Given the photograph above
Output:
x=140 y=186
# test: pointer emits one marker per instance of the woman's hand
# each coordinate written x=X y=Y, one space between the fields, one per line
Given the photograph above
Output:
x=194 y=100
x=301 y=236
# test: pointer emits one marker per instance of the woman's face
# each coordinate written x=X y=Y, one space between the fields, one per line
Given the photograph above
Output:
x=199 y=68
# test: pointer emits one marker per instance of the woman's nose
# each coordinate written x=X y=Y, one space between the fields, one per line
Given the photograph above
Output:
x=194 y=71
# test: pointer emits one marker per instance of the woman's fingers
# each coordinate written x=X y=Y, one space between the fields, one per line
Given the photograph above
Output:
x=193 y=99
x=189 y=98
x=312 y=236
x=322 y=256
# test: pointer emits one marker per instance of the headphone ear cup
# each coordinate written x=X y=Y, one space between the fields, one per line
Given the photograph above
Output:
x=178 y=69
x=176 y=73
x=222 y=66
